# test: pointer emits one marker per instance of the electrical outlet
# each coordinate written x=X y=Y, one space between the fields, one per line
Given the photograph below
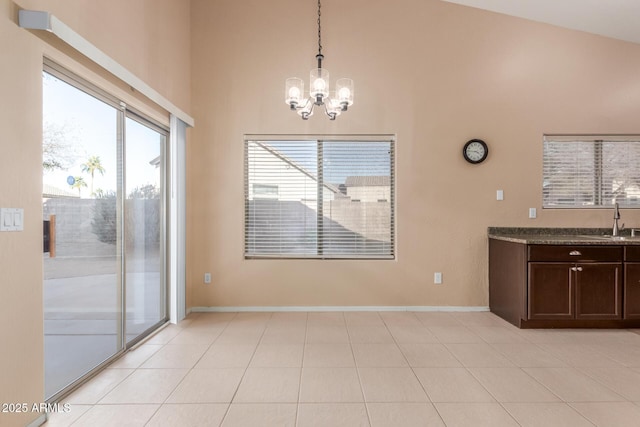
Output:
x=437 y=278
x=499 y=195
x=532 y=213
x=207 y=278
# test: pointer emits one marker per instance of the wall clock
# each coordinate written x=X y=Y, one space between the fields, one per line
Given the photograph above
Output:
x=475 y=151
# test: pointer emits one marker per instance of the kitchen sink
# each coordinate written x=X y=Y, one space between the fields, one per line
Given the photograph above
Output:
x=614 y=238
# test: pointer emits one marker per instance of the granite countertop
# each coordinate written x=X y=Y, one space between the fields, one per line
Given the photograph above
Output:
x=562 y=236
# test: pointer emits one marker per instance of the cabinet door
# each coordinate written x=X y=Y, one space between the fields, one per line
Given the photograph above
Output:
x=632 y=290
x=598 y=291
x=550 y=291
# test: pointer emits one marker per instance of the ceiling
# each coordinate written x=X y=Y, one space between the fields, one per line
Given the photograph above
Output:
x=611 y=18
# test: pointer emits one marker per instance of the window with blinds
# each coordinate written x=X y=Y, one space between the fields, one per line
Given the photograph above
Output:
x=591 y=171
x=325 y=197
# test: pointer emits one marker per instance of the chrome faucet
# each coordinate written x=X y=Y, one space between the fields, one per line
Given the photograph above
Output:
x=616 y=216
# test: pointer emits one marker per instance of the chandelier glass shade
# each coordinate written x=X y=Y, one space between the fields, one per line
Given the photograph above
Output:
x=334 y=102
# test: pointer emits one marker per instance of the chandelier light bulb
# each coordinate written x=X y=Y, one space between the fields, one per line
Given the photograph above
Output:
x=344 y=94
x=319 y=85
x=294 y=93
x=344 y=91
x=319 y=79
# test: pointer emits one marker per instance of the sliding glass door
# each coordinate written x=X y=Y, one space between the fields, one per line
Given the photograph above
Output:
x=144 y=249
x=103 y=222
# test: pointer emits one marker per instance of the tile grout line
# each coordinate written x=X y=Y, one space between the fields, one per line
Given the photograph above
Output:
x=581 y=414
x=133 y=370
x=411 y=367
x=582 y=369
x=235 y=393
x=435 y=407
x=355 y=363
x=466 y=368
x=304 y=348
x=547 y=340
x=189 y=370
x=561 y=401
x=480 y=382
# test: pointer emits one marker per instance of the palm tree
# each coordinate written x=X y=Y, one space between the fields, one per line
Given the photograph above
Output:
x=91 y=166
x=79 y=183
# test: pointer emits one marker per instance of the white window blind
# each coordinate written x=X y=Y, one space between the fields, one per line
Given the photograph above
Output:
x=334 y=198
x=591 y=171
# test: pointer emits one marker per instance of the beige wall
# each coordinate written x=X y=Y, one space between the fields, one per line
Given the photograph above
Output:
x=436 y=75
x=150 y=38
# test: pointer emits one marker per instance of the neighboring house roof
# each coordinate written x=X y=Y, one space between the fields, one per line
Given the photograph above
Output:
x=155 y=162
x=368 y=181
x=281 y=156
x=51 y=192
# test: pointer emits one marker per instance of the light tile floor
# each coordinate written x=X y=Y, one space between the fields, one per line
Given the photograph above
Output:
x=351 y=369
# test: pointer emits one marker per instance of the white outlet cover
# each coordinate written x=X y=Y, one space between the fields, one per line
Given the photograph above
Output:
x=499 y=195
x=532 y=213
x=437 y=278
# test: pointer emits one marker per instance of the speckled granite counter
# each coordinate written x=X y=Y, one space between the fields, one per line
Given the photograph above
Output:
x=562 y=236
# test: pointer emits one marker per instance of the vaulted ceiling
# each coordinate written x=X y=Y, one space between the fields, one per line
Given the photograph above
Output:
x=611 y=18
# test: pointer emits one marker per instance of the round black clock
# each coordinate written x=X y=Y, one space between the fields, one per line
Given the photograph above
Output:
x=475 y=151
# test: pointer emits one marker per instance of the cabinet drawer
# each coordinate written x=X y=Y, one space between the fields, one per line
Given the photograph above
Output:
x=632 y=253
x=571 y=253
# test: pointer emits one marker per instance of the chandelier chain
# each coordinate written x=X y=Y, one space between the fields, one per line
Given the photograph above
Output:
x=319 y=31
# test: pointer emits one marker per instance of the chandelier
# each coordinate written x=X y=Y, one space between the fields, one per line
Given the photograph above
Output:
x=319 y=89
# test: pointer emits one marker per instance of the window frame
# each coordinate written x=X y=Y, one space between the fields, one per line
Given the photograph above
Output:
x=600 y=167
x=319 y=140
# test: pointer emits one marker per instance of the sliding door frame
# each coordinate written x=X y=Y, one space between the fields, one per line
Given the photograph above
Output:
x=123 y=112
x=130 y=113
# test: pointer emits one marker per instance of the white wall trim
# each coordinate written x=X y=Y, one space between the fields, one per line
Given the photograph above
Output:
x=446 y=308
x=40 y=20
x=39 y=421
x=177 y=220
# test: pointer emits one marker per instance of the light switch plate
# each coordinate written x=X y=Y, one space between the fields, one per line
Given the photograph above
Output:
x=7 y=219
x=18 y=219
x=532 y=213
x=499 y=195
x=11 y=219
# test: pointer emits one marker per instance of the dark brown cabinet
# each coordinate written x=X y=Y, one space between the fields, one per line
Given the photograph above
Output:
x=632 y=290
x=575 y=291
x=551 y=291
x=542 y=285
x=598 y=290
x=632 y=282
x=575 y=282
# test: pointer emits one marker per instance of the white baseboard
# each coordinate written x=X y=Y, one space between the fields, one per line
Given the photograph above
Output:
x=338 y=308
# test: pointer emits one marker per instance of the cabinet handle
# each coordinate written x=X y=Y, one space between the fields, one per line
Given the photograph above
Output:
x=579 y=268
x=574 y=269
x=575 y=253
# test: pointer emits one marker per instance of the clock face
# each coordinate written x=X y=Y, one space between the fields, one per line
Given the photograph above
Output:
x=475 y=151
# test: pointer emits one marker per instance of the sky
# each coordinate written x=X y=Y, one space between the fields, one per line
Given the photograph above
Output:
x=91 y=129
